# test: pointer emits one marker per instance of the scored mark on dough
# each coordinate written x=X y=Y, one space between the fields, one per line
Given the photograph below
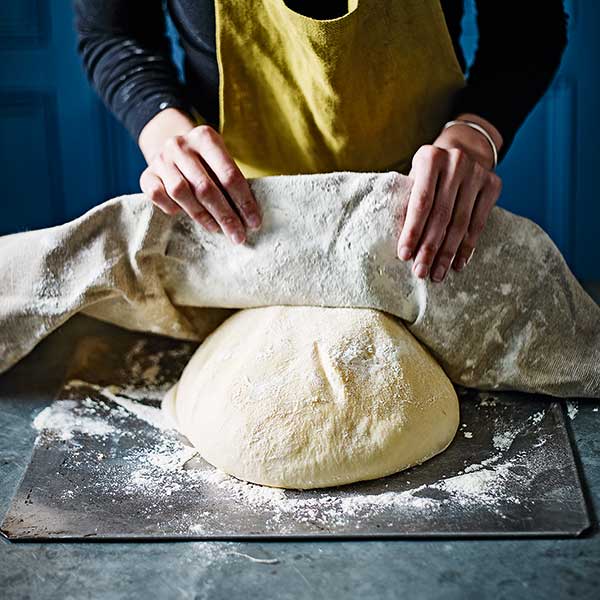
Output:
x=330 y=373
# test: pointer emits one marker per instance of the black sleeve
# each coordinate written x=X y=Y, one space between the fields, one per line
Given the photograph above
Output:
x=127 y=57
x=519 y=51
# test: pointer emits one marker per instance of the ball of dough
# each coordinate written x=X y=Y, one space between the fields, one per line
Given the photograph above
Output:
x=310 y=397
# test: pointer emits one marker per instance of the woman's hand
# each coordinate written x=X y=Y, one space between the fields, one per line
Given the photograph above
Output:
x=452 y=195
x=189 y=168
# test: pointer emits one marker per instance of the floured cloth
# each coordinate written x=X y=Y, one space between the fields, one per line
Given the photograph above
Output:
x=514 y=319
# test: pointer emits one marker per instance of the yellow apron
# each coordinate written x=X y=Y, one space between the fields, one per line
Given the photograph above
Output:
x=360 y=92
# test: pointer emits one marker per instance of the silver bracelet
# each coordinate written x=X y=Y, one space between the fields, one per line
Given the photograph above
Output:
x=481 y=130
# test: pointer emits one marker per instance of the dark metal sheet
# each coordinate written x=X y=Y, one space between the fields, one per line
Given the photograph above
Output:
x=101 y=470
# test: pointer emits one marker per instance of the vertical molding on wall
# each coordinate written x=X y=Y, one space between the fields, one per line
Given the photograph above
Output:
x=50 y=104
x=29 y=104
x=561 y=153
x=560 y=163
x=572 y=9
x=24 y=24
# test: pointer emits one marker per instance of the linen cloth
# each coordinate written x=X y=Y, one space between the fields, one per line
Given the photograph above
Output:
x=515 y=318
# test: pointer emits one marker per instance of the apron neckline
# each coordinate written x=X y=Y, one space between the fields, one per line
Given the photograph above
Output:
x=318 y=24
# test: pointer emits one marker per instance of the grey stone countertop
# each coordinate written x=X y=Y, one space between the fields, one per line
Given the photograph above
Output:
x=517 y=568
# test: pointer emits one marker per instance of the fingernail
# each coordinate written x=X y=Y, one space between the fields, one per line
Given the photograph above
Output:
x=237 y=237
x=438 y=273
x=404 y=253
x=460 y=263
x=421 y=270
x=254 y=221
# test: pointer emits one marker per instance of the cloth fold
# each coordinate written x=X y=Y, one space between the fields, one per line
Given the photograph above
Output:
x=515 y=319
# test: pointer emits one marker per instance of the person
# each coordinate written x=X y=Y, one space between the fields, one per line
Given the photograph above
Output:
x=288 y=86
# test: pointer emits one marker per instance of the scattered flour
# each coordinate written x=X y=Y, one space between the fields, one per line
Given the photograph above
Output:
x=161 y=468
x=503 y=440
x=323 y=508
x=538 y=417
x=62 y=420
x=146 y=369
x=152 y=415
x=572 y=409
x=480 y=485
x=487 y=399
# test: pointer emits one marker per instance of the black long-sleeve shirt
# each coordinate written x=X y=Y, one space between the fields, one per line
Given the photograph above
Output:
x=127 y=56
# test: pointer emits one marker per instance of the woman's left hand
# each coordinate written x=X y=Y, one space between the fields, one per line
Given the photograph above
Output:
x=452 y=195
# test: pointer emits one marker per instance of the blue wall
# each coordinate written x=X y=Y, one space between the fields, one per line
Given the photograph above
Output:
x=61 y=152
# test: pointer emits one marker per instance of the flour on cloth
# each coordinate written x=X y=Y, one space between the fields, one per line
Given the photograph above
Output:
x=515 y=319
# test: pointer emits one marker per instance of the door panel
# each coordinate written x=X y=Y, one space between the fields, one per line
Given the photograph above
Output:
x=28 y=129
x=61 y=151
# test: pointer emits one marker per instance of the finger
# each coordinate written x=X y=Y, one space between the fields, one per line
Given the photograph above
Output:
x=178 y=189
x=457 y=229
x=211 y=147
x=426 y=165
x=441 y=213
x=486 y=199
x=152 y=186
x=209 y=196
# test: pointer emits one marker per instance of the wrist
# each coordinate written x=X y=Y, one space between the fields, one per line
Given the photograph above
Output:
x=164 y=125
x=472 y=140
x=489 y=127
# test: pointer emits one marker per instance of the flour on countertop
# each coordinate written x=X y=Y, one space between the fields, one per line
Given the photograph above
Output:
x=62 y=420
x=152 y=415
x=479 y=484
x=503 y=440
x=146 y=370
x=487 y=399
x=168 y=466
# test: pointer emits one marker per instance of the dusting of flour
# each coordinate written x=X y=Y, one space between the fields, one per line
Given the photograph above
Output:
x=131 y=454
x=61 y=420
x=167 y=466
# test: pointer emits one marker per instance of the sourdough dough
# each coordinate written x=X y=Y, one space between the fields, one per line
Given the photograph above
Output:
x=308 y=397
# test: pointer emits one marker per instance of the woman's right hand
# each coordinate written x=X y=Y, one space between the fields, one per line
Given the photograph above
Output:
x=193 y=171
